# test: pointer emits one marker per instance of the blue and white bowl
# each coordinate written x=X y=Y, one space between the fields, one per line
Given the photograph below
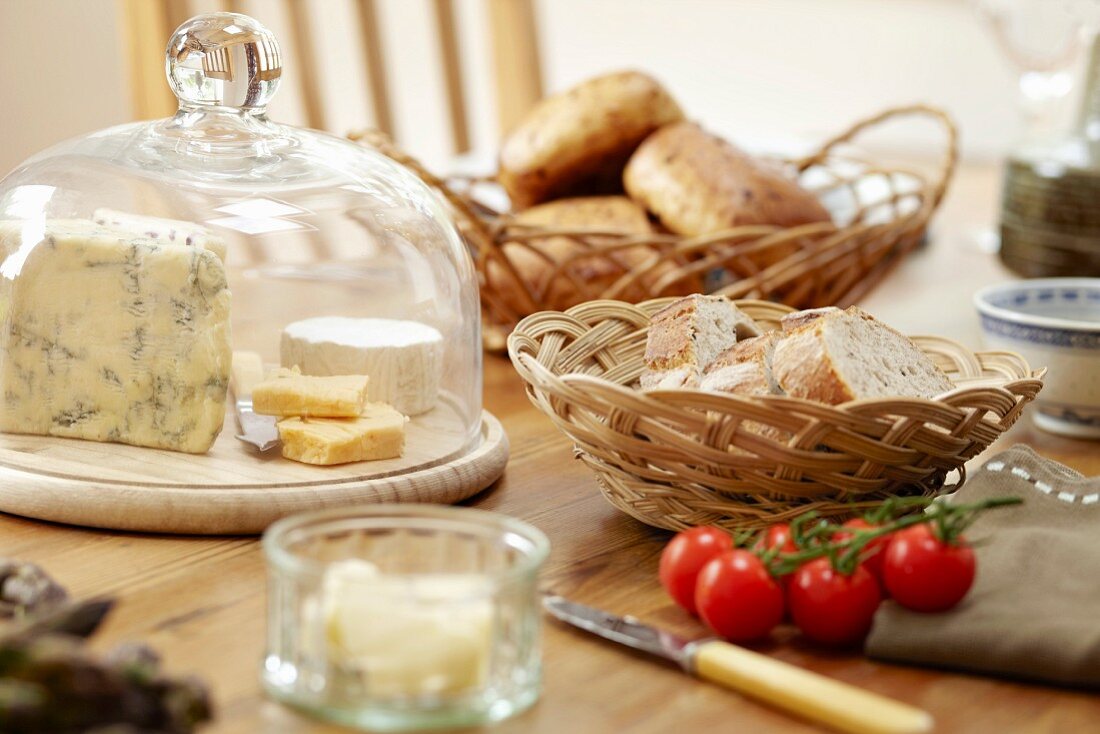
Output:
x=1053 y=322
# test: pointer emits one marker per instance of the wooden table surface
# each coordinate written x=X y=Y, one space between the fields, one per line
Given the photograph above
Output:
x=200 y=601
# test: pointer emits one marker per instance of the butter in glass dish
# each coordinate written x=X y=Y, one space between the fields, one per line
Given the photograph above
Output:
x=397 y=617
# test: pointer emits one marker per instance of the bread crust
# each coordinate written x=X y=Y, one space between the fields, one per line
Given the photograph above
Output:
x=745 y=369
x=726 y=372
x=697 y=183
x=803 y=369
x=798 y=319
x=743 y=378
x=578 y=141
x=668 y=343
x=754 y=349
x=683 y=341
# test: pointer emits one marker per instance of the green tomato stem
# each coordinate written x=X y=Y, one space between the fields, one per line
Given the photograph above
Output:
x=947 y=522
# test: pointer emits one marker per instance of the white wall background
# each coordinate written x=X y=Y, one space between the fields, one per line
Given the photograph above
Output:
x=752 y=69
x=61 y=73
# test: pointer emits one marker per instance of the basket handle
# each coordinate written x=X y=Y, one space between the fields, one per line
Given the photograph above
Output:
x=950 y=156
x=473 y=226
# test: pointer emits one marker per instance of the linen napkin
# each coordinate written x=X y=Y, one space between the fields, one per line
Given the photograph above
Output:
x=1034 y=610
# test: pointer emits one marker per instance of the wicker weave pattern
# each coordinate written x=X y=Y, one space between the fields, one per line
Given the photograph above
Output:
x=806 y=266
x=679 y=458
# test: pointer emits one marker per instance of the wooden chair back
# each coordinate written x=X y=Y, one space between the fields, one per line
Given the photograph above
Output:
x=512 y=34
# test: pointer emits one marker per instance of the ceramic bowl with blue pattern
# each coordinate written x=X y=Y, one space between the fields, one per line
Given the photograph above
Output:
x=1053 y=322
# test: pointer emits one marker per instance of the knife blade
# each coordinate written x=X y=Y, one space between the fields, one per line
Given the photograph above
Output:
x=257 y=430
x=793 y=689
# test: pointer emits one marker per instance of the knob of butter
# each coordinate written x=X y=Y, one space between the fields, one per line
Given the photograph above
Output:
x=410 y=635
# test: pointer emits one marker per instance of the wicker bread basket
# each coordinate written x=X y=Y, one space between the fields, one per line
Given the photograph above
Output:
x=884 y=214
x=681 y=458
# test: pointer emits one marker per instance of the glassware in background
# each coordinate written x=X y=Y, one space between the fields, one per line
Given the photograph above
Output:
x=1043 y=41
x=394 y=617
x=1050 y=208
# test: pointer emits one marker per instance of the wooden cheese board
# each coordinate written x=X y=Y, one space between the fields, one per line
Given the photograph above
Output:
x=233 y=489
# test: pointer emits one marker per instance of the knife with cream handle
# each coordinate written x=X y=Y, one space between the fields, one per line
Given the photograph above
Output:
x=257 y=430
x=812 y=696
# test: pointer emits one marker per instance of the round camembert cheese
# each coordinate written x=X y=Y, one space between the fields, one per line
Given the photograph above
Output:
x=403 y=359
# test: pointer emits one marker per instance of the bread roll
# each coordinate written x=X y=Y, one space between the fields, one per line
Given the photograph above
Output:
x=849 y=355
x=578 y=141
x=687 y=335
x=538 y=270
x=696 y=183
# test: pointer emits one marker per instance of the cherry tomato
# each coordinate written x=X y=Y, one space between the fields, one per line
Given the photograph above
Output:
x=683 y=558
x=737 y=597
x=874 y=552
x=777 y=536
x=925 y=574
x=830 y=607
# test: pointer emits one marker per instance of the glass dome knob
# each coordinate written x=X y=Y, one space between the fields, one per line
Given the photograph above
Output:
x=223 y=60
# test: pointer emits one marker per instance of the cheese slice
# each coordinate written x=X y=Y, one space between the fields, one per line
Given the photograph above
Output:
x=288 y=393
x=379 y=433
x=111 y=338
x=404 y=359
x=165 y=231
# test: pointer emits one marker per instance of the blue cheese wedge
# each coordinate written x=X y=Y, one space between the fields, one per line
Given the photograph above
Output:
x=111 y=337
x=164 y=231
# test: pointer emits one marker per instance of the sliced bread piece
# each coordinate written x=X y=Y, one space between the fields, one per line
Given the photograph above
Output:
x=849 y=355
x=744 y=368
x=798 y=319
x=687 y=335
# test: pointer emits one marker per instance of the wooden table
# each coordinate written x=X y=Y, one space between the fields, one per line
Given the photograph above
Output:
x=200 y=601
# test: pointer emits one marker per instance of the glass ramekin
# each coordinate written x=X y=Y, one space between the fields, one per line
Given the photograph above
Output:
x=441 y=629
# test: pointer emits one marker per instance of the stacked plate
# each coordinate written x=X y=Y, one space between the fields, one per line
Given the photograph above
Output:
x=1050 y=218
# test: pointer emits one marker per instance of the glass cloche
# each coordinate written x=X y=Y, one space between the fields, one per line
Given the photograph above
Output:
x=168 y=285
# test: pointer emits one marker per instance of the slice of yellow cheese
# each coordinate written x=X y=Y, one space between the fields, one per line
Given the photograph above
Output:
x=289 y=394
x=379 y=433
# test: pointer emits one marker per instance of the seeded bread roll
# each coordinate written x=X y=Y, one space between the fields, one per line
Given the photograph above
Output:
x=848 y=355
x=539 y=271
x=578 y=141
x=687 y=335
x=697 y=183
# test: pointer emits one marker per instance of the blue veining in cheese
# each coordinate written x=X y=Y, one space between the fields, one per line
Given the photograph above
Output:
x=112 y=337
x=165 y=231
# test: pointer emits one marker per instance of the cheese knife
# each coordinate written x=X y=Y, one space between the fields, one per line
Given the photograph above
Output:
x=257 y=430
x=793 y=689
